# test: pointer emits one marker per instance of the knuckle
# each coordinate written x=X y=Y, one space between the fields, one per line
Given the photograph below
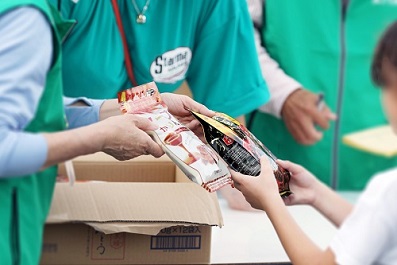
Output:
x=308 y=109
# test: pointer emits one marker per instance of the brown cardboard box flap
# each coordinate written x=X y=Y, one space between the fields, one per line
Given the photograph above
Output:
x=102 y=167
x=135 y=228
x=135 y=204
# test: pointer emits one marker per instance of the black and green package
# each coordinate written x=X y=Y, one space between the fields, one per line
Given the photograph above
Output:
x=239 y=148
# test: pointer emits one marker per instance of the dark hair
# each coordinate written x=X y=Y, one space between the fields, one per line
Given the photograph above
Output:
x=386 y=50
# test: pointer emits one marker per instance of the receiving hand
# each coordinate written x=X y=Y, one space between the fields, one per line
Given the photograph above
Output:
x=125 y=137
x=259 y=191
x=302 y=183
x=301 y=115
x=177 y=105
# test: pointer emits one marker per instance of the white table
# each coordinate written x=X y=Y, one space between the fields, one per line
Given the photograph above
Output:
x=248 y=237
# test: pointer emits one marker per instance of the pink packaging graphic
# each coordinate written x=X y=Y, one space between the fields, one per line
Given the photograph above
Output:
x=196 y=159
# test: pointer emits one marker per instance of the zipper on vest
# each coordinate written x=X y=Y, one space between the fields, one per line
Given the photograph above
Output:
x=15 y=229
x=339 y=100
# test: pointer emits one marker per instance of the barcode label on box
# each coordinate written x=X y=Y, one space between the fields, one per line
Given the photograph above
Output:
x=175 y=242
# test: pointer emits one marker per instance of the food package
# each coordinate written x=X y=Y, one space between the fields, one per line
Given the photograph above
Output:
x=239 y=148
x=196 y=159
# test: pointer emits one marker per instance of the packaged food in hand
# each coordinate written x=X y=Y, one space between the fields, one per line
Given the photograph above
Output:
x=196 y=159
x=239 y=148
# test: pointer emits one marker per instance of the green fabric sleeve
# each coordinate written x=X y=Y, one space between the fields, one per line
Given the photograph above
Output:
x=232 y=81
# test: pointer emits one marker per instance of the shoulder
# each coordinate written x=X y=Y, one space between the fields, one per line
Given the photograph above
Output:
x=28 y=19
x=26 y=39
x=385 y=181
x=381 y=193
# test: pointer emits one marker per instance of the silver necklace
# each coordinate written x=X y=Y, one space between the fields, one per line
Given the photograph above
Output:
x=140 y=15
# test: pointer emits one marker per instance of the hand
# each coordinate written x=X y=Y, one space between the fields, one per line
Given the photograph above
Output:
x=302 y=183
x=259 y=191
x=177 y=105
x=301 y=115
x=307 y=189
x=235 y=199
x=125 y=137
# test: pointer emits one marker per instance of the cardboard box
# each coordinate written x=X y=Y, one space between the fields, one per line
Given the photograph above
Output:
x=166 y=220
x=103 y=167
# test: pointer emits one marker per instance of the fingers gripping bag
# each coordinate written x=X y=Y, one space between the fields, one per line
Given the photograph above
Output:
x=239 y=148
x=196 y=159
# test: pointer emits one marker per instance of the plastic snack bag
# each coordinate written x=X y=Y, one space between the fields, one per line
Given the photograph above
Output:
x=197 y=160
x=239 y=148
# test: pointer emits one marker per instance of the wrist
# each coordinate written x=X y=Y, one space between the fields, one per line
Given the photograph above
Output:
x=320 y=191
x=279 y=94
x=271 y=202
x=286 y=100
x=93 y=138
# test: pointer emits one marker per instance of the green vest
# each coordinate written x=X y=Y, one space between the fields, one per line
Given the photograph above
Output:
x=331 y=53
x=24 y=201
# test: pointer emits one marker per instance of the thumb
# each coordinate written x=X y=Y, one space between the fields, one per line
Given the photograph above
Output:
x=204 y=110
x=266 y=167
x=329 y=114
x=320 y=118
x=189 y=103
x=154 y=149
x=238 y=179
x=291 y=167
x=151 y=145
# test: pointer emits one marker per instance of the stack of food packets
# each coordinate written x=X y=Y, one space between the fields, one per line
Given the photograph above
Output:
x=239 y=148
x=196 y=159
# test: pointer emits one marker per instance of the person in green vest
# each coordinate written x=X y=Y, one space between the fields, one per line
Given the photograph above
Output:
x=311 y=48
x=32 y=118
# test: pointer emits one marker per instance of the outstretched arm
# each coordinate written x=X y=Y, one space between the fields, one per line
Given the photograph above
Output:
x=122 y=137
x=262 y=193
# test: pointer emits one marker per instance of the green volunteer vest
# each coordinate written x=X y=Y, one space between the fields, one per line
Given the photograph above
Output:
x=24 y=201
x=327 y=53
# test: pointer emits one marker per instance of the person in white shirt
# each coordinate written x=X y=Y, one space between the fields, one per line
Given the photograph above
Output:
x=367 y=232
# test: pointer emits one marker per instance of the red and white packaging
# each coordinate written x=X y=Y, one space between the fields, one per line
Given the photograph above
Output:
x=196 y=159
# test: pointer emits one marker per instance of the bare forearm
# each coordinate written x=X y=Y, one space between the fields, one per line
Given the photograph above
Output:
x=66 y=145
x=331 y=205
x=300 y=249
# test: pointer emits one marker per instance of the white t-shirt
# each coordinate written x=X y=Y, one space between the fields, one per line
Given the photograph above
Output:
x=369 y=234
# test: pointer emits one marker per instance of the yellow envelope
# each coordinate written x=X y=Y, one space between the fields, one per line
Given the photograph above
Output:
x=379 y=140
